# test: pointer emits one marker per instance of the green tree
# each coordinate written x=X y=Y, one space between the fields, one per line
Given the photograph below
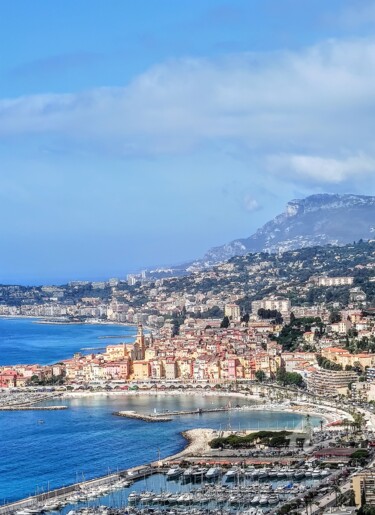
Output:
x=260 y=376
x=225 y=323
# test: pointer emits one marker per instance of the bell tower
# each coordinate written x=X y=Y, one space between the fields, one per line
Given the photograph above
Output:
x=140 y=340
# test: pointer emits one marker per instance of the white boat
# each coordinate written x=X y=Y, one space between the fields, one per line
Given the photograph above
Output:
x=273 y=499
x=316 y=473
x=263 y=500
x=188 y=473
x=233 y=473
x=299 y=474
x=174 y=472
x=213 y=472
x=255 y=499
x=263 y=474
x=134 y=497
x=199 y=473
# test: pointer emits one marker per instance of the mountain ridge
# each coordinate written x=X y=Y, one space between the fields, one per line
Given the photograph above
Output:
x=318 y=219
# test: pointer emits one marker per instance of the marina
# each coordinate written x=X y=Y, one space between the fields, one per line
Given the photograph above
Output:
x=199 y=488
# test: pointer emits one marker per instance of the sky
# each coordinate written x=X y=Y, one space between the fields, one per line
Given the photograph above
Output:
x=138 y=134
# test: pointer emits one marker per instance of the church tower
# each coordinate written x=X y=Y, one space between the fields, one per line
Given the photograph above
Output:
x=140 y=341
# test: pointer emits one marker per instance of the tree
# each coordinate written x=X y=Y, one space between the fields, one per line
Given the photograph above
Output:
x=225 y=323
x=334 y=317
x=260 y=375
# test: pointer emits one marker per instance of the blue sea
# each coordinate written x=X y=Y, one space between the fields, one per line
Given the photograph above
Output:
x=87 y=440
x=24 y=340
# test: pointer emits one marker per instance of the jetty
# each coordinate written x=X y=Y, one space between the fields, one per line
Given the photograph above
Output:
x=167 y=416
x=32 y=408
x=144 y=417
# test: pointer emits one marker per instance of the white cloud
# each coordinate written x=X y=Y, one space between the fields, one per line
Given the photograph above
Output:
x=306 y=105
x=250 y=203
x=322 y=169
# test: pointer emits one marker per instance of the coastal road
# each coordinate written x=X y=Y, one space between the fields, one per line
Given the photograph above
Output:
x=327 y=500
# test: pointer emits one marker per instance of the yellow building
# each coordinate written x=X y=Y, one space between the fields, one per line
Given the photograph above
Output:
x=141 y=370
x=363 y=484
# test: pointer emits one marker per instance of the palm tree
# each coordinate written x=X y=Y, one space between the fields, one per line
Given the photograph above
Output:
x=337 y=490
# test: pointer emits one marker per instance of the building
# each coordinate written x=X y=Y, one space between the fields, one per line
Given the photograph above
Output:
x=273 y=303
x=332 y=281
x=233 y=312
x=363 y=484
x=330 y=382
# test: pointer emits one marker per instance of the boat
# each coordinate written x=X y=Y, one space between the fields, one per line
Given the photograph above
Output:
x=299 y=474
x=133 y=497
x=273 y=473
x=263 y=473
x=249 y=472
x=232 y=473
x=199 y=473
x=316 y=473
x=255 y=499
x=213 y=473
x=273 y=499
x=174 y=472
x=188 y=473
x=263 y=500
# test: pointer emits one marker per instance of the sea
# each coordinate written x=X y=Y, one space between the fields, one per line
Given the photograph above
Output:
x=44 y=450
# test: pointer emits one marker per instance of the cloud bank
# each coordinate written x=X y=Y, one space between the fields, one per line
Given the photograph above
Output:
x=306 y=114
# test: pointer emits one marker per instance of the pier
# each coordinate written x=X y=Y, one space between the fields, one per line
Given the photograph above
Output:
x=144 y=418
x=32 y=408
x=167 y=416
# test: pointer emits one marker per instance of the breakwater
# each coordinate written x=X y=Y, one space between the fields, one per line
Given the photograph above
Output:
x=144 y=418
x=168 y=416
x=61 y=494
x=32 y=408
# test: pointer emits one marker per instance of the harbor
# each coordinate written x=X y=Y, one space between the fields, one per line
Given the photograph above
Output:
x=230 y=489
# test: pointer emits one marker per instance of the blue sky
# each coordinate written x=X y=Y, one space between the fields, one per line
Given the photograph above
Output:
x=142 y=133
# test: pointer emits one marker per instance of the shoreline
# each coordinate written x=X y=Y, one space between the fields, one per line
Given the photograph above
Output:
x=42 y=320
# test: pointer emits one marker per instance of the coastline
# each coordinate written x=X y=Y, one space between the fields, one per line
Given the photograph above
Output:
x=50 y=321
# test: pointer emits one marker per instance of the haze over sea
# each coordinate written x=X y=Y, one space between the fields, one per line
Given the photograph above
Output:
x=87 y=440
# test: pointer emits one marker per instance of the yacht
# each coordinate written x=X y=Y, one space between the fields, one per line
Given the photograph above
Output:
x=133 y=497
x=255 y=499
x=174 y=472
x=213 y=472
x=263 y=473
x=188 y=473
x=316 y=473
x=232 y=474
x=263 y=500
x=273 y=473
x=299 y=474
x=199 y=473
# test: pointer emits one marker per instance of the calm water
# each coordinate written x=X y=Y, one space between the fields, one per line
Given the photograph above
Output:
x=87 y=440
x=25 y=341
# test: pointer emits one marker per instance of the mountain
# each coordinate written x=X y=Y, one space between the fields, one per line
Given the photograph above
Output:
x=316 y=220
